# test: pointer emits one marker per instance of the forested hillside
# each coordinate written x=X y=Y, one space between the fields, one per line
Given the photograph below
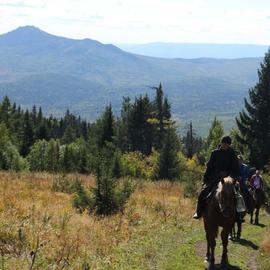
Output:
x=121 y=189
x=56 y=73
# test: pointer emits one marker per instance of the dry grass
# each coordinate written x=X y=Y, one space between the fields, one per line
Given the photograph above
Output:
x=39 y=228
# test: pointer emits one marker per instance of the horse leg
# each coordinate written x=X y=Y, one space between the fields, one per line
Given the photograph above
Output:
x=207 y=257
x=232 y=233
x=224 y=259
x=251 y=216
x=239 y=229
x=257 y=215
x=212 y=243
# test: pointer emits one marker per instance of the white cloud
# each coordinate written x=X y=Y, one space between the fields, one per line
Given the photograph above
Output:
x=143 y=20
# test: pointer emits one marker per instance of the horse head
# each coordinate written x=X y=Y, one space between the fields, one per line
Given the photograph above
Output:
x=226 y=196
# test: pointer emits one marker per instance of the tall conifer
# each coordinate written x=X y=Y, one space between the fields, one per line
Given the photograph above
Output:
x=254 y=122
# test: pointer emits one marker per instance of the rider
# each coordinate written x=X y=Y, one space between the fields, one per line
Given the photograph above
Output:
x=223 y=162
x=243 y=180
x=256 y=183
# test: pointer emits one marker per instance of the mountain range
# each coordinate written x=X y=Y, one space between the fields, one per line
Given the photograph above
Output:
x=83 y=76
x=196 y=50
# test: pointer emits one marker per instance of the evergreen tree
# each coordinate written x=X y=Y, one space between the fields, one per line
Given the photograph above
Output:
x=166 y=109
x=37 y=156
x=107 y=126
x=168 y=166
x=52 y=156
x=69 y=135
x=107 y=197
x=254 y=122
x=140 y=128
x=27 y=136
x=10 y=158
x=190 y=142
x=123 y=136
x=214 y=137
x=158 y=105
x=5 y=110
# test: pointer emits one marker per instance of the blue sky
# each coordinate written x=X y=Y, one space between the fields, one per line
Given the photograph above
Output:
x=143 y=21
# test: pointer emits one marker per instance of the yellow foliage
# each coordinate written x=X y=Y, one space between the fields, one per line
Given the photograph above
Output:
x=36 y=220
x=135 y=164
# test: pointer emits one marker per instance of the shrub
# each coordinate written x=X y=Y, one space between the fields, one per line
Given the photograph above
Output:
x=81 y=200
x=136 y=165
x=65 y=184
x=191 y=175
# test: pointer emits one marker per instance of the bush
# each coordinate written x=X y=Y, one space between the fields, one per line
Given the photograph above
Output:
x=65 y=184
x=191 y=175
x=108 y=197
x=136 y=165
x=81 y=200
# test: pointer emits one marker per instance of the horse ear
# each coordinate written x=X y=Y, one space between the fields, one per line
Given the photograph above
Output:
x=222 y=181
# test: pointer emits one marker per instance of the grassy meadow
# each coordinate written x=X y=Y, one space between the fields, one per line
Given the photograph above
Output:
x=40 y=229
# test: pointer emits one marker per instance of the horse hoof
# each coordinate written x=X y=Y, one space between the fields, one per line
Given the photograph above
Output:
x=211 y=267
x=224 y=264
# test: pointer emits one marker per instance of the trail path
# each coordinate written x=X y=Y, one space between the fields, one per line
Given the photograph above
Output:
x=244 y=254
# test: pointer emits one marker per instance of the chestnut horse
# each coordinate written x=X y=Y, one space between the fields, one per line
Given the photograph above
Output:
x=219 y=212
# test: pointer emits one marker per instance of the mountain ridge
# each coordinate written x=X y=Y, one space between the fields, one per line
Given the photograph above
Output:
x=100 y=73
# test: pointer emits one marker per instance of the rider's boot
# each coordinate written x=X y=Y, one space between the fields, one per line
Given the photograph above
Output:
x=199 y=208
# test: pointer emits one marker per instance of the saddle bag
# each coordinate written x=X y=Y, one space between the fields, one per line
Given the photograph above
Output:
x=240 y=203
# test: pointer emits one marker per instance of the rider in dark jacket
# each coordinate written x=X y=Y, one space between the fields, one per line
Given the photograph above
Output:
x=223 y=162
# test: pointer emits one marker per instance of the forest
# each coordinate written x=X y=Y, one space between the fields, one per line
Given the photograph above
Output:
x=128 y=176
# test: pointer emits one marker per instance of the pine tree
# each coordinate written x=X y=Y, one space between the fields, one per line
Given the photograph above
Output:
x=190 y=141
x=107 y=126
x=216 y=132
x=140 y=129
x=123 y=136
x=27 y=136
x=168 y=166
x=158 y=105
x=254 y=122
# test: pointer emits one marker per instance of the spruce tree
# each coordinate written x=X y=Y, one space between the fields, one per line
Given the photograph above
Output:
x=254 y=122
x=107 y=126
x=168 y=166
x=140 y=129
x=216 y=132
x=27 y=135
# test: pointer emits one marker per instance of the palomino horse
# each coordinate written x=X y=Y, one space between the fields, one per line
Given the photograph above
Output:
x=219 y=211
x=257 y=200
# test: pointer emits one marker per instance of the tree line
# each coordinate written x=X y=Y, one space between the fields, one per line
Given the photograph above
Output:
x=29 y=140
x=142 y=142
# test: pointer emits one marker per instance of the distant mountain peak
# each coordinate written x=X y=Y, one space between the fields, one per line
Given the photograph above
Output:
x=28 y=28
x=26 y=35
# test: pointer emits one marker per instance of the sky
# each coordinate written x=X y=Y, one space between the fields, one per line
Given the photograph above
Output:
x=144 y=21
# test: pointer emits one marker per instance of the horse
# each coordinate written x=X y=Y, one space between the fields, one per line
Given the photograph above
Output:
x=219 y=211
x=257 y=200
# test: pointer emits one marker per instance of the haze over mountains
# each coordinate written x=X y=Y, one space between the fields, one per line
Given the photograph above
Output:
x=196 y=50
x=85 y=75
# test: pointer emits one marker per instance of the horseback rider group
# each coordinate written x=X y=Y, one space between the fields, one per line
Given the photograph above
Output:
x=224 y=162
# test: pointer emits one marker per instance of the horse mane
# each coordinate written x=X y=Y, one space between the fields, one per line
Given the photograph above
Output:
x=226 y=184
